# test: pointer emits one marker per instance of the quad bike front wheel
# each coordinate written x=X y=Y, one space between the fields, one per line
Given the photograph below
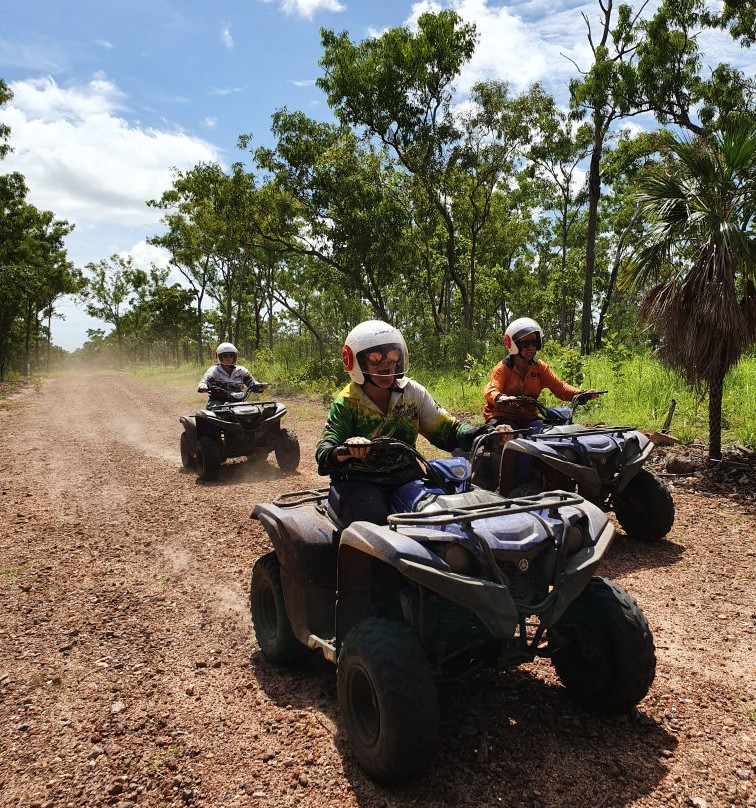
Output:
x=287 y=450
x=187 y=461
x=645 y=508
x=388 y=700
x=271 y=623
x=603 y=650
x=208 y=458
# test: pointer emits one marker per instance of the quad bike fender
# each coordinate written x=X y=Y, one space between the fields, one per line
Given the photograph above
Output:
x=366 y=549
x=587 y=478
x=303 y=540
x=632 y=467
x=580 y=568
x=190 y=428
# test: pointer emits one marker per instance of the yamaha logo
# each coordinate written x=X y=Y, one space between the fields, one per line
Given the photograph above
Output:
x=523 y=564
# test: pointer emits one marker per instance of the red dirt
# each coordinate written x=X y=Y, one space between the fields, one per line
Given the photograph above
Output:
x=129 y=673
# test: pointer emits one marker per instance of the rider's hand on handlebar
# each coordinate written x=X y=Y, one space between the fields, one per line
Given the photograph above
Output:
x=506 y=433
x=502 y=398
x=357 y=447
x=591 y=394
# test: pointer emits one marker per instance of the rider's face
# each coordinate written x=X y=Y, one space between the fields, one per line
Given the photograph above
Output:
x=381 y=366
x=227 y=359
x=528 y=346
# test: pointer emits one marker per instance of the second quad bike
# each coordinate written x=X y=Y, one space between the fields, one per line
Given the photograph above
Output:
x=232 y=426
x=459 y=579
x=604 y=464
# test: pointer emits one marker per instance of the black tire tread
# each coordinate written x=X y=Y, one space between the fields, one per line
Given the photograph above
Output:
x=282 y=649
x=287 y=450
x=208 y=458
x=187 y=461
x=409 y=721
x=626 y=643
x=645 y=508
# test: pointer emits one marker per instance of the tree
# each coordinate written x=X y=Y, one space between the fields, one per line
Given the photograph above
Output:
x=107 y=292
x=701 y=252
x=398 y=89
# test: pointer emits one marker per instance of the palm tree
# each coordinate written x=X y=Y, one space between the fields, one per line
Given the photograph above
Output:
x=700 y=254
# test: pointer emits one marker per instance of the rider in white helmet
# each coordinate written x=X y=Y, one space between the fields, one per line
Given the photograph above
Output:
x=379 y=401
x=522 y=374
x=226 y=373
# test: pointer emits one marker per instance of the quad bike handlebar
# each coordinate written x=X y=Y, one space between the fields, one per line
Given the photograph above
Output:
x=386 y=445
x=577 y=400
x=222 y=391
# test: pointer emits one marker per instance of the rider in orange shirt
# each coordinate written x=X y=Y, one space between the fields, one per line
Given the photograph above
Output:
x=521 y=374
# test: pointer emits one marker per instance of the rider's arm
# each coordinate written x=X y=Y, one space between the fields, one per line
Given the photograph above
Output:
x=438 y=426
x=202 y=386
x=497 y=383
x=338 y=428
x=552 y=382
x=251 y=383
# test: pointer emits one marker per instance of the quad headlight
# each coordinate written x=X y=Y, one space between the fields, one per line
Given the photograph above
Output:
x=457 y=558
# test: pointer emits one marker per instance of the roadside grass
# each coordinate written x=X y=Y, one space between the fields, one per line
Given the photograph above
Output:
x=639 y=391
x=14 y=575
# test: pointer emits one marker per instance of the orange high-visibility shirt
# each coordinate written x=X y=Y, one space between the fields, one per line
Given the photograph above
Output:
x=506 y=380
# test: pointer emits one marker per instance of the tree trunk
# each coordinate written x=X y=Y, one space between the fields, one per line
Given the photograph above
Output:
x=594 y=194
x=715 y=417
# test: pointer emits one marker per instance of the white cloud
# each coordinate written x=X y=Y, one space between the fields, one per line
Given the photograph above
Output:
x=511 y=47
x=226 y=37
x=209 y=123
x=103 y=43
x=87 y=163
x=224 y=91
x=145 y=255
x=308 y=8
x=302 y=82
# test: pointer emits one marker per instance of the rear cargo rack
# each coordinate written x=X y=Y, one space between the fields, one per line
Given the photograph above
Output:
x=292 y=499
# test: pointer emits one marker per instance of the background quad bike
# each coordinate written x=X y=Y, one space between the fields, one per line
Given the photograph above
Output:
x=388 y=664
x=205 y=442
x=644 y=507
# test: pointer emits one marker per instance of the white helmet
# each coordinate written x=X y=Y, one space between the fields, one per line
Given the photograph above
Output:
x=520 y=328
x=376 y=335
x=226 y=347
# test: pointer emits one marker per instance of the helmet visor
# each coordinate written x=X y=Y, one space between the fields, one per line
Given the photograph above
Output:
x=382 y=360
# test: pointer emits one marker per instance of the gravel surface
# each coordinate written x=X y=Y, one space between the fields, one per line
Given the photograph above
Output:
x=129 y=673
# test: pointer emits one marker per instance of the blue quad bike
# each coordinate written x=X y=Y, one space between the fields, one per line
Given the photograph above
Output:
x=604 y=464
x=231 y=426
x=459 y=579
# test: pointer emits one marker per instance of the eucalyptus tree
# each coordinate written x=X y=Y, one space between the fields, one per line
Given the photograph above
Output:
x=206 y=233
x=398 y=88
x=106 y=294
x=559 y=148
x=5 y=96
x=700 y=255
x=188 y=238
x=34 y=271
x=333 y=204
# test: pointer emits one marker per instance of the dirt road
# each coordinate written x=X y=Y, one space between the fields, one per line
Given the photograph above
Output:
x=129 y=674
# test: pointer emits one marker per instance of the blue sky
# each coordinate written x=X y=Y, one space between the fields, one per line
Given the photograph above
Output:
x=109 y=95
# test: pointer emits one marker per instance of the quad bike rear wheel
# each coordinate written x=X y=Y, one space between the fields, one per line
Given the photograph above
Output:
x=645 y=508
x=208 y=458
x=603 y=650
x=388 y=700
x=287 y=450
x=187 y=461
x=268 y=609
